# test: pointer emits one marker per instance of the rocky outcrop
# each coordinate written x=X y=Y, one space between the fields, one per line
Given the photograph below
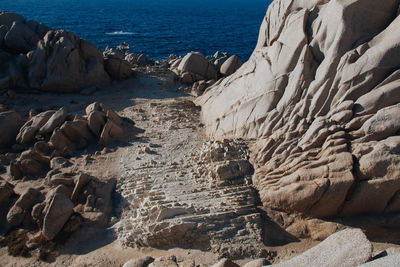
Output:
x=196 y=67
x=319 y=94
x=63 y=62
x=57 y=133
x=202 y=72
x=34 y=56
x=60 y=206
x=116 y=65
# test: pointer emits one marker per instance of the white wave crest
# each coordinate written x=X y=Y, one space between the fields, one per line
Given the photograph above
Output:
x=120 y=33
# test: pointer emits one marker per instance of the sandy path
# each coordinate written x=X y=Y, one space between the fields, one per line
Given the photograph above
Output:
x=169 y=196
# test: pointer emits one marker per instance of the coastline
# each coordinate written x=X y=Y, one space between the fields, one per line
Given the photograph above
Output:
x=109 y=156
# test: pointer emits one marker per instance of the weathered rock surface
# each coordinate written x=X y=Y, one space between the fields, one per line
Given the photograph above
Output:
x=349 y=247
x=63 y=202
x=320 y=95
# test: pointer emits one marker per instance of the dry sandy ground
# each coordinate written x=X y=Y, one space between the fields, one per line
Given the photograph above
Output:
x=171 y=138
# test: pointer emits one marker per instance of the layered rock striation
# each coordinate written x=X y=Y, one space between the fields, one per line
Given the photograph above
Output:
x=320 y=94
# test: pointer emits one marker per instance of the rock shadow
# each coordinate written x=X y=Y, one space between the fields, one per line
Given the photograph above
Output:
x=273 y=233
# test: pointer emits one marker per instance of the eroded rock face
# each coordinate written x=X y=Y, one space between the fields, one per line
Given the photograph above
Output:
x=320 y=94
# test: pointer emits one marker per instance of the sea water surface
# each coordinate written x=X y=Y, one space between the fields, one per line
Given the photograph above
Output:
x=154 y=27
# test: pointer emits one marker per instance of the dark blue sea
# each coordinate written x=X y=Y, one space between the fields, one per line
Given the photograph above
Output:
x=154 y=27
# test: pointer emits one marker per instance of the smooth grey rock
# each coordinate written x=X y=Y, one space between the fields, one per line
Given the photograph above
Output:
x=196 y=63
x=349 y=247
x=230 y=65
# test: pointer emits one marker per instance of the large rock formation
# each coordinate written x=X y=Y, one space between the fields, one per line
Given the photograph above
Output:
x=63 y=62
x=34 y=56
x=320 y=94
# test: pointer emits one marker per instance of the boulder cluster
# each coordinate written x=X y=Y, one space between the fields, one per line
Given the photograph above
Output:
x=63 y=199
x=120 y=61
x=59 y=206
x=34 y=56
x=202 y=72
x=320 y=94
x=55 y=133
